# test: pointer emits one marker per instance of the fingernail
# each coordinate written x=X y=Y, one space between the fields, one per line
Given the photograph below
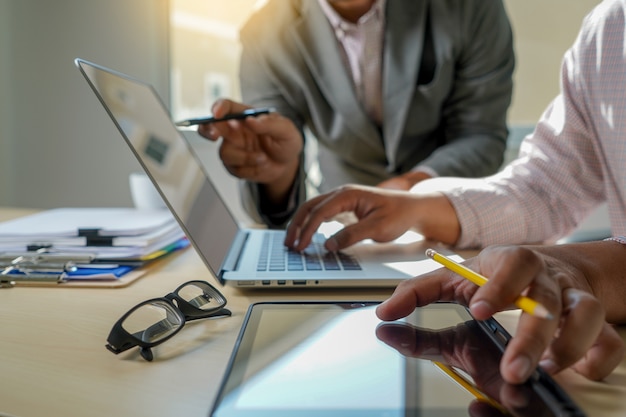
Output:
x=482 y=309
x=549 y=366
x=521 y=367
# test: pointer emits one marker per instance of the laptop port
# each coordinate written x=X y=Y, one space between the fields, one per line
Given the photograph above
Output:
x=299 y=282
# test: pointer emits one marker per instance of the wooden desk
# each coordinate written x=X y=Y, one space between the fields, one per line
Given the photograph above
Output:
x=53 y=361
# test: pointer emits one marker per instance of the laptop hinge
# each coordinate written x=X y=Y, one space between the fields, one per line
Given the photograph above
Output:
x=231 y=263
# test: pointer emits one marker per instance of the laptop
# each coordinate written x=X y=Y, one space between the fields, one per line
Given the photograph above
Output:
x=237 y=256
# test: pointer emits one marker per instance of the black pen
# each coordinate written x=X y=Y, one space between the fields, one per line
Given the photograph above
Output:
x=231 y=116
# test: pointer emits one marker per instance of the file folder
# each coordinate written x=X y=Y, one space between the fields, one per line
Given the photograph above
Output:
x=85 y=247
x=74 y=225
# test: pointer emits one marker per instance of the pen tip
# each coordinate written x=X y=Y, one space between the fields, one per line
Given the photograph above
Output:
x=430 y=252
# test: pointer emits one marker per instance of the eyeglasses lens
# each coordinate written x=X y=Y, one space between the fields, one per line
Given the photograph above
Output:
x=201 y=296
x=153 y=322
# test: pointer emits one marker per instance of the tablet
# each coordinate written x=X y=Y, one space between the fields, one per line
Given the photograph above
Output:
x=338 y=359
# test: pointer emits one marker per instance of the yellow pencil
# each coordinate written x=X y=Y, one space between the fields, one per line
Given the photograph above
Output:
x=527 y=304
x=470 y=387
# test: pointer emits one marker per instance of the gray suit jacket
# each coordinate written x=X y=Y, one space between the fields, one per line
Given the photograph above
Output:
x=447 y=83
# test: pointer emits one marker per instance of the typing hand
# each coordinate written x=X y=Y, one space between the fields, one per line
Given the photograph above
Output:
x=382 y=215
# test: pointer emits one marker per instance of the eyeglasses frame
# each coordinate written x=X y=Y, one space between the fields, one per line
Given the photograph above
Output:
x=120 y=340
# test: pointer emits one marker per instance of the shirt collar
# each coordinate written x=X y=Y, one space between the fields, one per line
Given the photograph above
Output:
x=337 y=22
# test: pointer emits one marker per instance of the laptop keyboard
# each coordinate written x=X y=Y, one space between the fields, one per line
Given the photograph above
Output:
x=276 y=257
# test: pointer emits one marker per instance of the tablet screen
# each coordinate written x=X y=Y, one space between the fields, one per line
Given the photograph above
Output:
x=330 y=359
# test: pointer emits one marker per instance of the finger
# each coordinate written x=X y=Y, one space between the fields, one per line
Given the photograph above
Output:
x=479 y=408
x=523 y=352
x=278 y=136
x=518 y=397
x=438 y=285
x=580 y=311
x=244 y=138
x=435 y=345
x=402 y=302
x=224 y=106
x=208 y=131
x=533 y=334
x=604 y=356
x=293 y=234
x=235 y=134
x=594 y=352
x=511 y=270
x=269 y=124
x=221 y=107
x=315 y=212
x=235 y=157
x=247 y=172
x=215 y=131
x=356 y=232
x=400 y=337
x=348 y=199
x=251 y=166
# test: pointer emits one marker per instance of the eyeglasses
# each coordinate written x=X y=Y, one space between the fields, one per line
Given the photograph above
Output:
x=154 y=321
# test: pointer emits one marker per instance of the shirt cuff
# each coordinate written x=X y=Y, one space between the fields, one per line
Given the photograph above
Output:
x=618 y=239
x=425 y=169
x=279 y=216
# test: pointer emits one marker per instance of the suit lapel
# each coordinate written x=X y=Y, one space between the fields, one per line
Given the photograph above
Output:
x=321 y=52
x=403 y=48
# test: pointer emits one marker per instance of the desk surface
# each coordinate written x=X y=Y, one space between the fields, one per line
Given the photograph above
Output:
x=53 y=361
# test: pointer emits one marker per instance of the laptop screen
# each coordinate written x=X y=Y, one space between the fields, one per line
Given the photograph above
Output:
x=168 y=159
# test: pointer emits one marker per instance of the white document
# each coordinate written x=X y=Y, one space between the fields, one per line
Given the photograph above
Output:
x=67 y=222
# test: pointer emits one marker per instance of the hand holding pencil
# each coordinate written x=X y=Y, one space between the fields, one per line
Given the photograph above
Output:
x=577 y=336
x=527 y=304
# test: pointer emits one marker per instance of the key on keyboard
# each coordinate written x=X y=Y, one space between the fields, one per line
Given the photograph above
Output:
x=276 y=257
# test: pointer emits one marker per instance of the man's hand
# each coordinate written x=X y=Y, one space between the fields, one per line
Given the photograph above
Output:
x=264 y=149
x=577 y=337
x=382 y=215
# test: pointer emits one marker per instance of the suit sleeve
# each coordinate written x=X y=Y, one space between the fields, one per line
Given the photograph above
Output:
x=260 y=89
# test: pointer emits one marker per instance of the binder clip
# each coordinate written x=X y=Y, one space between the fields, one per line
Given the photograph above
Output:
x=39 y=266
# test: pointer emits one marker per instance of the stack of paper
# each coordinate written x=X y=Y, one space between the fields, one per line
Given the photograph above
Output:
x=114 y=240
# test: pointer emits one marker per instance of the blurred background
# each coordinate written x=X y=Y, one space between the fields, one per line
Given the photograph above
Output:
x=58 y=148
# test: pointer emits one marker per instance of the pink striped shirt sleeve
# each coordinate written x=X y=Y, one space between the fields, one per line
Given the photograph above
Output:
x=573 y=161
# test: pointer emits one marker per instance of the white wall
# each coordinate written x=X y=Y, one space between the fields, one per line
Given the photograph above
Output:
x=57 y=145
x=543 y=31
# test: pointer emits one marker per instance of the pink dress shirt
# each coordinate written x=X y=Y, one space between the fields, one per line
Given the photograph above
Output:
x=573 y=161
x=362 y=50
